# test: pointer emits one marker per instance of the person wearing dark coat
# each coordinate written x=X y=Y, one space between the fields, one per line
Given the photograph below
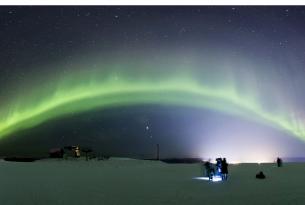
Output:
x=279 y=162
x=224 y=169
x=208 y=169
x=218 y=166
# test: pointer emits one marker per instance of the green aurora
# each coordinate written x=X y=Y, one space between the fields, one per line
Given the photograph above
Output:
x=86 y=94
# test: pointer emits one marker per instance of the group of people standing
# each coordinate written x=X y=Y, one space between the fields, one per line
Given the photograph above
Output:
x=221 y=169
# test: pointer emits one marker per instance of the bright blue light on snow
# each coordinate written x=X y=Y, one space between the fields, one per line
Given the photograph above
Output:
x=214 y=178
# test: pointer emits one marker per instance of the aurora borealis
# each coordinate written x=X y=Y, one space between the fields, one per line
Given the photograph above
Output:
x=244 y=62
x=116 y=92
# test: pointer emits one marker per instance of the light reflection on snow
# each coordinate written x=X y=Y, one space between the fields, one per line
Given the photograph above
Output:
x=214 y=179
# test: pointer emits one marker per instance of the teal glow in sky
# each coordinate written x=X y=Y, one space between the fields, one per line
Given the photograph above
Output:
x=85 y=94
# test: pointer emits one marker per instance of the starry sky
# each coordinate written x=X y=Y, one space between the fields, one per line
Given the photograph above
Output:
x=201 y=81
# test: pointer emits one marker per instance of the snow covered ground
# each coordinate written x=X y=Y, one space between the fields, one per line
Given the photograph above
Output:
x=118 y=181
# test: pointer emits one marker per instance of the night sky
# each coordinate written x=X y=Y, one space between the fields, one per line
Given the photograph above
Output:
x=201 y=81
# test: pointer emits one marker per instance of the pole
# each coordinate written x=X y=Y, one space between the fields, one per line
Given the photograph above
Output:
x=158 y=152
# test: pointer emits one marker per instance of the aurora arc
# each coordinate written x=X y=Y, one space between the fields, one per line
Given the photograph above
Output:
x=121 y=92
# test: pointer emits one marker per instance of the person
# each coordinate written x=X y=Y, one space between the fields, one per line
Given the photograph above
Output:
x=279 y=162
x=260 y=175
x=208 y=170
x=224 y=169
x=218 y=166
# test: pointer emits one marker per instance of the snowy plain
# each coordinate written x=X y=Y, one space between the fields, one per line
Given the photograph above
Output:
x=118 y=181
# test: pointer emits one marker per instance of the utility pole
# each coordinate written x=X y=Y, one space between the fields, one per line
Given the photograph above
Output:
x=158 y=152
